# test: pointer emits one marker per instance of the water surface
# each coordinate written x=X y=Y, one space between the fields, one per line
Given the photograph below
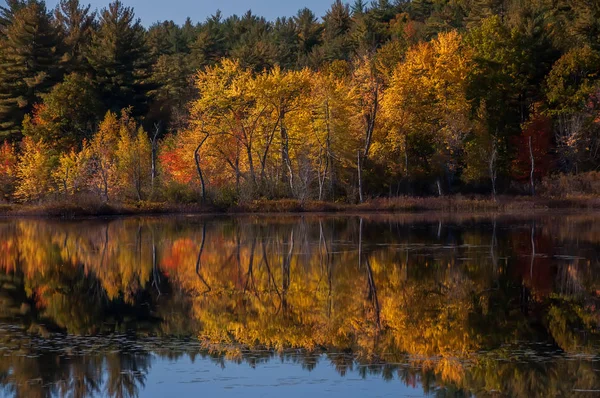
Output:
x=376 y=305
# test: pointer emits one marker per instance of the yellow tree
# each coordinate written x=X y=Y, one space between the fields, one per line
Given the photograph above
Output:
x=284 y=95
x=367 y=85
x=225 y=119
x=34 y=170
x=134 y=159
x=72 y=172
x=8 y=169
x=103 y=162
x=426 y=103
x=331 y=108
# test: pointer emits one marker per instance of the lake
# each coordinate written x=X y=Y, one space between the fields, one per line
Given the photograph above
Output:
x=301 y=305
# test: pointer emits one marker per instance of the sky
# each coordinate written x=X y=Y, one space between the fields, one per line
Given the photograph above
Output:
x=150 y=11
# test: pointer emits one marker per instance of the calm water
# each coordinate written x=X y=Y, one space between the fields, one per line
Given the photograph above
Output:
x=298 y=306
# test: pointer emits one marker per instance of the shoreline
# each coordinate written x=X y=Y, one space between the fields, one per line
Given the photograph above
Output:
x=401 y=205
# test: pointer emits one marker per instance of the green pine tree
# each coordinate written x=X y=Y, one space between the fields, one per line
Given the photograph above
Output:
x=209 y=44
x=7 y=14
x=309 y=34
x=285 y=36
x=120 y=60
x=337 y=23
x=76 y=25
x=29 y=64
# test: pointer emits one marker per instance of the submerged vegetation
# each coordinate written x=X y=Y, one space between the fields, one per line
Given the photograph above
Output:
x=385 y=99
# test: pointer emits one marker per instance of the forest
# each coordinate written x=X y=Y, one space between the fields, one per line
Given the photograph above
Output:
x=373 y=99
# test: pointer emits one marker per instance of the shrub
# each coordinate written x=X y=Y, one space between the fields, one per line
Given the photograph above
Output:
x=564 y=185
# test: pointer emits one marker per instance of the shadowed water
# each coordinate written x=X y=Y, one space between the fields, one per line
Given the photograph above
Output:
x=372 y=305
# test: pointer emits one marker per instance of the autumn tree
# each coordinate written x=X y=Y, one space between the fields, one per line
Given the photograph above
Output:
x=8 y=170
x=426 y=106
x=103 y=160
x=71 y=174
x=367 y=86
x=332 y=106
x=283 y=96
x=227 y=112
x=534 y=159
x=571 y=87
x=34 y=170
x=133 y=159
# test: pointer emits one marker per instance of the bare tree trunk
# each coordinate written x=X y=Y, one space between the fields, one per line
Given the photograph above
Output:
x=532 y=250
x=237 y=174
x=439 y=187
x=531 y=181
x=251 y=165
x=199 y=169
x=321 y=178
x=105 y=182
x=493 y=248
x=492 y=167
x=263 y=158
x=154 y=150
x=360 y=228
x=286 y=265
x=407 y=174
x=199 y=260
x=285 y=150
x=360 y=188
x=370 y=119
x=373 y=294
x=65 y=182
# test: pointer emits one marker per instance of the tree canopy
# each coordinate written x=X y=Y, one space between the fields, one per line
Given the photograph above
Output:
x=373 y=99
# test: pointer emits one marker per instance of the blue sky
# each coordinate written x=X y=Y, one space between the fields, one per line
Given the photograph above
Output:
x=178 y=10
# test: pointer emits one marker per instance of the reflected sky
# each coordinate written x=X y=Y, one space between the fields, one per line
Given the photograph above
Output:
x=274 y=379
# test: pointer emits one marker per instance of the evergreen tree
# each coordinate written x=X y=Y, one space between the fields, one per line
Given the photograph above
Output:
x=370 y=28
x=209 y=44
x=7 y=13
x=309 y=33
x=252 y=42
x=336 y=26
x=586 y=23
x=29 y=59
x=285 y=38
x=165 y=38
x=120 y=59
x=419 y=10
x=482 y=9
x=76 y=24
x=188 y=34
x=171 y=75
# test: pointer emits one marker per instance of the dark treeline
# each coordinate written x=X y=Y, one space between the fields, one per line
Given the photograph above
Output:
x=372 y=99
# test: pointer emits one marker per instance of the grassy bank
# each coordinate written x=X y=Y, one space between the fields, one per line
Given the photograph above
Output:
x=76 y=208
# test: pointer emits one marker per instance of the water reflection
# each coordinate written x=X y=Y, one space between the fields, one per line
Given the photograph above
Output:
x=457 y=305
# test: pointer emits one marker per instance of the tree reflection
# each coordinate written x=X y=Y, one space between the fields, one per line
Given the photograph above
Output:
x=447 y=303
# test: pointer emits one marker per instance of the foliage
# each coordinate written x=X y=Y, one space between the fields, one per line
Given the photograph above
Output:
x=29 y=59
x=376 y=99
x=8 y=170
x=34 y=170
